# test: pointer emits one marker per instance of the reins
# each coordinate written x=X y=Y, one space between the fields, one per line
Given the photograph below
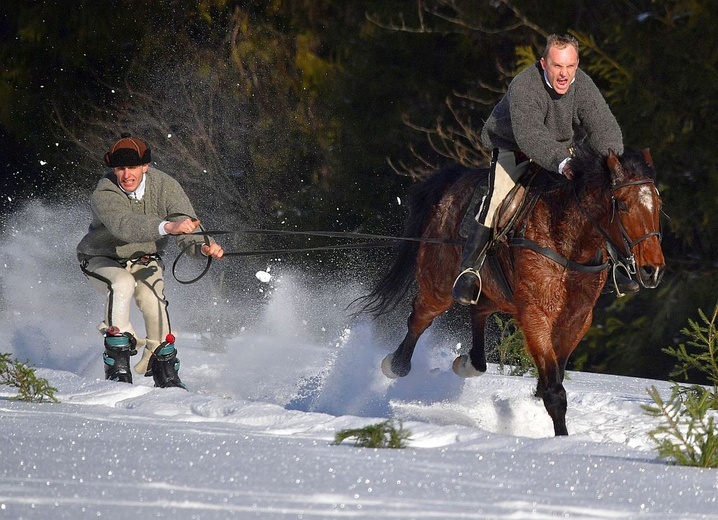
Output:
x=617 y=258
x=375 y=242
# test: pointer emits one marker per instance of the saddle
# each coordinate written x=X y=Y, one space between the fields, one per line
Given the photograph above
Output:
x=519 y=202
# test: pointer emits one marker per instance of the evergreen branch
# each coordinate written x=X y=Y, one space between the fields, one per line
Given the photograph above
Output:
x=688 y=432
x=386 y=434
x=23 y=378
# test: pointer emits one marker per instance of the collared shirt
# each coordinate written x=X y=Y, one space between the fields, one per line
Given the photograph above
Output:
x=565 y=161
x=139 y=192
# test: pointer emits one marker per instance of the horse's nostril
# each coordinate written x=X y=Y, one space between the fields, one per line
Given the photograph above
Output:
x=651 y=274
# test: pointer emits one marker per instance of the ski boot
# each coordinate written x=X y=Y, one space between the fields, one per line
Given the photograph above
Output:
x=165 y=364
x=119 y=346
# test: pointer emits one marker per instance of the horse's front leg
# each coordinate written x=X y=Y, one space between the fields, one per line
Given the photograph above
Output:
x=538 y=331
x=424 y=311
x=550 y=389
x=551 y=346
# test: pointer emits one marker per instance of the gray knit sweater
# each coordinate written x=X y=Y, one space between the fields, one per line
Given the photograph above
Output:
x=123 y=228
x=532 y=118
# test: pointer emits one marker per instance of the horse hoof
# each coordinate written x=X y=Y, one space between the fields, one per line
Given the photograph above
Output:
x=462 y=367
x=387 y=370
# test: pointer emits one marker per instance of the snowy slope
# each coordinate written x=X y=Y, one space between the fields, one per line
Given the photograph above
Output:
x=253 y=437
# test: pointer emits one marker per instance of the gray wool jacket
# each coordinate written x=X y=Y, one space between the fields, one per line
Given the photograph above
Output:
x=533 y=119
x=123 y=228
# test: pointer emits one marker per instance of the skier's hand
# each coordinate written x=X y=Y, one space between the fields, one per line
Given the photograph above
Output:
x=214 y=250
x=181 y=227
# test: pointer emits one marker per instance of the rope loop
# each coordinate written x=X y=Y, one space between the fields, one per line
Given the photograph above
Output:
x=185 y=250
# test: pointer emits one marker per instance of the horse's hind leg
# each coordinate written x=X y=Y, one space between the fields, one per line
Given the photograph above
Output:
x=473 y=363
x=398 y=364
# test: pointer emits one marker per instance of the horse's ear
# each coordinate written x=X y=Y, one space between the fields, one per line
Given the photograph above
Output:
x=617 y=171
x=647 y=157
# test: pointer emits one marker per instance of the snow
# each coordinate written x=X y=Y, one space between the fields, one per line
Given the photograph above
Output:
x=263 y=276
x=254 y=435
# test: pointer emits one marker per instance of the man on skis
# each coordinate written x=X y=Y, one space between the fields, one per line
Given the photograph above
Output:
x=135 y=208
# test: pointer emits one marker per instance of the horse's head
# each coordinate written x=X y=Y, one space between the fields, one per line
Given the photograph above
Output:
x=635 y=229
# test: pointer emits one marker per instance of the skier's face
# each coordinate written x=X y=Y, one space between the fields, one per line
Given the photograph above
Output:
x=130 y=177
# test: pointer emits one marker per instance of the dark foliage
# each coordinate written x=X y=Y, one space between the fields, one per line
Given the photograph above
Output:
x=292 y=109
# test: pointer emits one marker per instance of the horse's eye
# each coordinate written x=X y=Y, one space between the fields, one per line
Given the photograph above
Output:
x=622 y=206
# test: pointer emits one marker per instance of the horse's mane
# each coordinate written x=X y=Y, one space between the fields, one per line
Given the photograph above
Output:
x=591 y=170
x=636 y=161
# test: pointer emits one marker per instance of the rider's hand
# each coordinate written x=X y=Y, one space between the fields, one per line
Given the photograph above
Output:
x=567 y=171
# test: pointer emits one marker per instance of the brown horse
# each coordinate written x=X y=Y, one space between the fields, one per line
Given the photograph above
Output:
x=547 y=273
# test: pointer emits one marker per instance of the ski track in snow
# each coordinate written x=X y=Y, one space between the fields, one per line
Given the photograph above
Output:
x=253 y=437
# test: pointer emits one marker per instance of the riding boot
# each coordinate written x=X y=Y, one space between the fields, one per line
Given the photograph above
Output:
x=119 y=346
x=465 y=285
x=164 y=365
x=625 y=284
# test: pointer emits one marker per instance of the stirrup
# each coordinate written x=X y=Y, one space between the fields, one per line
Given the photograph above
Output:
x=461 y=298
x=620 y=283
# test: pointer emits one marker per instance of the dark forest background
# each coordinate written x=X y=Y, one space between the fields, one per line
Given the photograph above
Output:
x=319 y=114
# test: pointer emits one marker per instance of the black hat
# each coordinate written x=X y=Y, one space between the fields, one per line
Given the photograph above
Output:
x=128 y=151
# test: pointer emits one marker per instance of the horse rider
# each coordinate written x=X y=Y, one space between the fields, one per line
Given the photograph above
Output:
x=134 y=209
x=548 y=106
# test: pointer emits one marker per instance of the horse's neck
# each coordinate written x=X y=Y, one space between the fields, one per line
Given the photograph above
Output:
x=571 y=220
x=594 y=206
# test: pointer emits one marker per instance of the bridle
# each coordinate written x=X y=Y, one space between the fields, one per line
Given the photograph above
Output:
x=623 y=257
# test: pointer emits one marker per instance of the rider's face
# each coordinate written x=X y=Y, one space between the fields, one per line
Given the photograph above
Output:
x=560 y=66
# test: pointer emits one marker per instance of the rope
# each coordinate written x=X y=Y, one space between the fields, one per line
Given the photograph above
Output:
x=331 y=234
x=361 y=245
x=379 y=242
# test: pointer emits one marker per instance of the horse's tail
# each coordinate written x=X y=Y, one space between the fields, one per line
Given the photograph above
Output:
x=390 y=290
